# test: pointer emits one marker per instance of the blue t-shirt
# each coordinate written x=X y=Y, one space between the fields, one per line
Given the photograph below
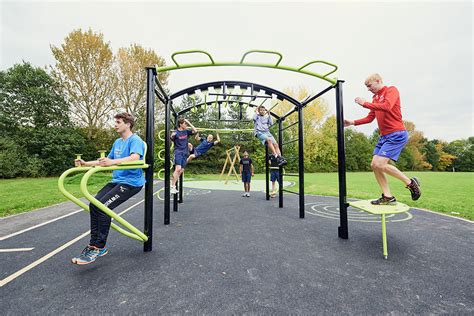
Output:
x=261 y=123
x=124 y=148
x=204 y=146
x=181 y=140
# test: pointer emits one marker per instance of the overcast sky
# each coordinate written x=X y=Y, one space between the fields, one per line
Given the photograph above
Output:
x=423 y=48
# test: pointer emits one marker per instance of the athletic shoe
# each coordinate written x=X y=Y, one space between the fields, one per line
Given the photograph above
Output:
x=384 y=200
x=281 y=161
x=248 y=194
x=244 y=195
x=89 y=255
x=414 y=188
x=173 y=190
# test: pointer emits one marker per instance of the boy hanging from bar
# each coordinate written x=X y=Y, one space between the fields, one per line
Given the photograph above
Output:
x=181 y=149
x=204 y=146
x=386 y=108
x=262 y=121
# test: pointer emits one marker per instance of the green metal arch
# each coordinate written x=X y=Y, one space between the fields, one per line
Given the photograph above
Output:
x=276 y=65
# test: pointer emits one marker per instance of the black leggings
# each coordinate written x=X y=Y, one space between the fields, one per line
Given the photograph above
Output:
x=111 y=195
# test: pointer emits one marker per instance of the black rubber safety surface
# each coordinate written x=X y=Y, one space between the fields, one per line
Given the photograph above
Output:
x=226 y=254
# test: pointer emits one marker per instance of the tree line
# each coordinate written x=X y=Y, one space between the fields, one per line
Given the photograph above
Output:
x=47 y=115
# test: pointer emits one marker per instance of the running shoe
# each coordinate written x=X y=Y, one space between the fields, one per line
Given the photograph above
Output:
x=384 y=200
x=173 y=190
x=414 y=188
x=89 y=255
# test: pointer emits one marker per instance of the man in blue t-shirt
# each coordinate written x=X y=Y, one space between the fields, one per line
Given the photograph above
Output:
x=204 y=146
x=262 y=122
x=124 y=184
x=181 y=149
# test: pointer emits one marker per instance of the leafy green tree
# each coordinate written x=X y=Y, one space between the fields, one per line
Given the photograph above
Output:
x=358 y=151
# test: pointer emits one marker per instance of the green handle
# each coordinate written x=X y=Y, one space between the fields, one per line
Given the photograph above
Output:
x=190 y=52
x=78 y=156
x=102 y=153
x=263 y=52
x=320 y=62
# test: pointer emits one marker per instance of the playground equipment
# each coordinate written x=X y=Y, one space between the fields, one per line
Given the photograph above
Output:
x=235 y=150
x=246 y=94
x=383 y=211
x=130 y=230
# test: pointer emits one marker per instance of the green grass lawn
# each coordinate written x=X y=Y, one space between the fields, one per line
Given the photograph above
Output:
x=21 y=195
x=450 y=193
x=446 y=192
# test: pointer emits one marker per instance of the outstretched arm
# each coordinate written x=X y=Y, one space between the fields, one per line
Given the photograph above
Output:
x=197 y=136
x=218 y=139
x=192 y=126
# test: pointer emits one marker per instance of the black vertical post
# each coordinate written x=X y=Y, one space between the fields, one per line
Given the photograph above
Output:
x=150 y=123
x=301 y=160
x=267 y=174
x=280 y=169
x=167 y=163
x=181 y=178
x=343 y=230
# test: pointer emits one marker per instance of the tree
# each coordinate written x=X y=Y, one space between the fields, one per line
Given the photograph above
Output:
x=358 y=151
x=416 y=142
x=131 y=89
x=85 y=69
x=463 y=150
x=29 y=98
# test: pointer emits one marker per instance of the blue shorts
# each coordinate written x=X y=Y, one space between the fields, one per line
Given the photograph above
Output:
x=275 y=176
x=180 y=159
x=263 y=137
x=246 y=176
x=391 y=145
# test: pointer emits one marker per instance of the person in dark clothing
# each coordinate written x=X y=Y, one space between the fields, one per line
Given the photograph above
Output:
x=246 y=172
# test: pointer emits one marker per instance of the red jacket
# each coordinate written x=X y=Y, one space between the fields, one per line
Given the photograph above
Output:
x=385 y=107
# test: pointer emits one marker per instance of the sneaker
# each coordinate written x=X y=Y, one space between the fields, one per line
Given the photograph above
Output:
x=248 y=194
x=414 y=188
x=244 y=195
x=89 y=255
x=384 y=200
x=281 y=161
x=173 y=190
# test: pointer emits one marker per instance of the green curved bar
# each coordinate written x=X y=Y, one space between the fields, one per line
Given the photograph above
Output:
x=212 y=63
x=135 y=233
x=190 y=52
x=81 y=204
x=263 y=52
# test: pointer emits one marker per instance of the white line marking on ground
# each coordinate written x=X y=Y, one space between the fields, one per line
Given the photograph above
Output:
x=16 y=249
x=54 y=252
x=39 y=225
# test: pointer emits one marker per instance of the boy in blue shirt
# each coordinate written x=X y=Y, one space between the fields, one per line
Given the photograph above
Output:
x=181 y=149
x=124 y=184
x=262 y=122
x=204 y=146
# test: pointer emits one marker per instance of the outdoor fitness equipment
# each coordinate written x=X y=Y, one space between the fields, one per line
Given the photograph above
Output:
x=154 y=88
x=235 y=150
x=130 y=231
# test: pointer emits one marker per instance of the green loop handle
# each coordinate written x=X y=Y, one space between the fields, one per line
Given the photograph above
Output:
x=263 y=52
x=190 y=52
x=320 y=62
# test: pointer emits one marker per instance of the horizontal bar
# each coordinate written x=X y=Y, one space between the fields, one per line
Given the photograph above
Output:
x=316 y=96
x=242 y=95
x=291 y=175
x=245 y=121
x=290 y=141
x=289 y=113
x=292 y=124
x=284 y=190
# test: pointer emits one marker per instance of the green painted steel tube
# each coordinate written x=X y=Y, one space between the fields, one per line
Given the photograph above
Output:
x=384 y=237
x=81 y=204
x=242 y=63
x=135 y=233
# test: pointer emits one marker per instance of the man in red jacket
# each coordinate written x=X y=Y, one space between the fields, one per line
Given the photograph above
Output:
x=385 y=107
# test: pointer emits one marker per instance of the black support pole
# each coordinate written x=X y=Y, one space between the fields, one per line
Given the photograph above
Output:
x=343 y=230
x=181 y=178
x=150 y=120
x=167 y=163
x=301 y=160
x=280 y=184
x=267 y=174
